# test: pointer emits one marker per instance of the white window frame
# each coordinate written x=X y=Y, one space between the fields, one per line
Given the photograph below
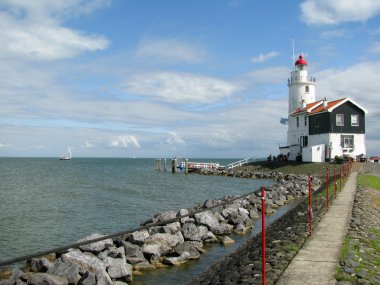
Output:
x=340 y=122
x=347 y=141
x=355 y=120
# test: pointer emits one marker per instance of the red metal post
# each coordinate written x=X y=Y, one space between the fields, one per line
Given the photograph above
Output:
x=327 y=188
x=340 y=179
x=263 y=237
x=334 y=182
x=310 y=208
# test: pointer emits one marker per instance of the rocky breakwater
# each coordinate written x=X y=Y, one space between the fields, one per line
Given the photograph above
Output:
x=167 y=239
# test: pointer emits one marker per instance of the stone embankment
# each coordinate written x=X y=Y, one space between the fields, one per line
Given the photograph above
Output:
x=115 y=261
x=360 y=258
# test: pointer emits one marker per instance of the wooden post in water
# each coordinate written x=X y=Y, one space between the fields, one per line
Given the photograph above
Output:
x=174 y=165
x=159 y=164
x=165 y=164
x=186 y=166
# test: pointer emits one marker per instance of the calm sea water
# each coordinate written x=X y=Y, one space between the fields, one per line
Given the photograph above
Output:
x=45 y=202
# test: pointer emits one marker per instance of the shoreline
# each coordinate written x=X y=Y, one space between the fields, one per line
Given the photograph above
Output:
x=119 y=259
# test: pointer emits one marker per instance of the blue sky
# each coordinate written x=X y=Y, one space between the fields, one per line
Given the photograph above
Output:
x=144 y=78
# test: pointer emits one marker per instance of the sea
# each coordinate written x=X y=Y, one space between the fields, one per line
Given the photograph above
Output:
x=47 y=203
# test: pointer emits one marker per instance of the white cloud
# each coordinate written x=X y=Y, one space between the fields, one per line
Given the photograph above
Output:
x=34 y=31
x=88 y=145
x=327 y=12
x=174 y=138
x=334 y=34
x=269 y=75
x=4 y=145
x=180 y=87
x=264 y=57
x=168 y=50
x=375 y=48
x=125 y=141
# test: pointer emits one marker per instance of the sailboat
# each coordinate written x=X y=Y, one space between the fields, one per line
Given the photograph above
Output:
x=66 y=157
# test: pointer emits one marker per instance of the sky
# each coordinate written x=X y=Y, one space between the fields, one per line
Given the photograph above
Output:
x=165 y=78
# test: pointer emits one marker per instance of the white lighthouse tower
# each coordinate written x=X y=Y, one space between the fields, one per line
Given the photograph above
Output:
x=301 y=92
x=301 y=86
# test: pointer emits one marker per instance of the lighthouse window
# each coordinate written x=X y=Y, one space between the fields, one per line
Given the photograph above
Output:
x=340 y=120
x=298 y=122
x=354 y=120
x=347 y=141
x=306 y=89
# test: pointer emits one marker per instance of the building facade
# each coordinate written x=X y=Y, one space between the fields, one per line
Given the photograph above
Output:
x=321 y=130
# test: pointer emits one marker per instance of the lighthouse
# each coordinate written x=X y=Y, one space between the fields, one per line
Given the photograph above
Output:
x=301 y=85
x=321 y=130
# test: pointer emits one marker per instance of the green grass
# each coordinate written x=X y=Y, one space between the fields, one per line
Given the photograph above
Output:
x=291 y=247
x=369 y=181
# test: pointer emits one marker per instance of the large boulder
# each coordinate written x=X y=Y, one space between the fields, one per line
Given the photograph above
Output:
x=46 y=279
x=165 y=242
x=190 y=232
x=88 y=278
x=70 y=271
x=189 y=248
x=139 y=237
x=39 y=264
x=177 y=260
x=165 y=216
x=98 y=246
x=207 y=219
x=85 y=261
x=119 y=269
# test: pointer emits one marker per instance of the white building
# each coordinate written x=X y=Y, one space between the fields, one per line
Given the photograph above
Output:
x=321 y=130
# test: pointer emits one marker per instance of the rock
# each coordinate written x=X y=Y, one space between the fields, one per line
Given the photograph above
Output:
x=98 y=246
x=183 y=212
x=209 y=237
x=132 y=250
x=190 y=232
x=207 y=219
x=166 y=242
x=143 y=266
x=139 y=237
x=85 y=261
x=189 y=248
x=46 y=279
x=102 y=278
x=165 y=216
x=222 y=229
x=253 y=213
x=119 y=269
x=88 y=278
x=69 y=271
x=225 y=240
x=39 y=264
x=177 y=260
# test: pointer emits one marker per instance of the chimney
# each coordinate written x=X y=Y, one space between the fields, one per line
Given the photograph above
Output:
x=303 y=104
x=325 y=103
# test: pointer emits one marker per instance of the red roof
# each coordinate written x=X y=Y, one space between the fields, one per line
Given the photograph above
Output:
x=330 y=105
x=309 y=106
x=301 y=61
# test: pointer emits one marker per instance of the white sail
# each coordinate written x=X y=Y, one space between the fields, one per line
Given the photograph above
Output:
x=68 y=156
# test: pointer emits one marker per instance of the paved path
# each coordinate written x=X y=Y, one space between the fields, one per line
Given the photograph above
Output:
x=317 y=261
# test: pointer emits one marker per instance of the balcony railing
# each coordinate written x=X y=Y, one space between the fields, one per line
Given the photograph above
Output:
x=297 y=79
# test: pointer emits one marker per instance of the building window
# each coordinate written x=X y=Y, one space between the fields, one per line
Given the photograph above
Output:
x=303 y=141
x=340 y=120
x=306 y=89
x=298 y=122
x=347 y=141
x=305 y=121
x=354 y=120
x=317 y=122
